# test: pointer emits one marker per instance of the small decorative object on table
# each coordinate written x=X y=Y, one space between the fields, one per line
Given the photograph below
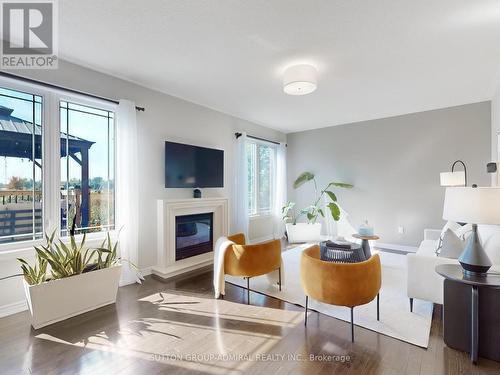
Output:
x=365 y=229
x=365 y=244
x=341 y=251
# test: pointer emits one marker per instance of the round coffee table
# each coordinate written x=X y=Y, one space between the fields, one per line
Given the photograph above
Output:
x=365 y=244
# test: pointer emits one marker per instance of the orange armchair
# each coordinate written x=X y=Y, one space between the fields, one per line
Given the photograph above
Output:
x=341 y=284
x=252 y=260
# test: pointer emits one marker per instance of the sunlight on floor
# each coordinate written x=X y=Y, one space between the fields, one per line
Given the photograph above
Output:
x=228 y=334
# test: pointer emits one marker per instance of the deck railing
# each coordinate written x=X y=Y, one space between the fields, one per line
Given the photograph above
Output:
x=18 y=196
x=19 y=223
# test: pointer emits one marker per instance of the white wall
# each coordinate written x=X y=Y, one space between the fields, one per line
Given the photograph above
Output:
x=495 y=124
x=165 y=118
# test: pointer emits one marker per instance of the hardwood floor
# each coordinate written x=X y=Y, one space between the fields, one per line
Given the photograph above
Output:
x=176 y=327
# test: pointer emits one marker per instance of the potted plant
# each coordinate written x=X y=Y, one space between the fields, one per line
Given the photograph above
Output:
x=68 y=280
x=311 y=230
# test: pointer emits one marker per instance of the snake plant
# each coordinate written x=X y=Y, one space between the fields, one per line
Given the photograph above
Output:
x=71 y=259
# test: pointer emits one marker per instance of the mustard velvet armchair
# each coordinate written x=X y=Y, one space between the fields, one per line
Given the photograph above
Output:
x=252 y=260
x=341 y=284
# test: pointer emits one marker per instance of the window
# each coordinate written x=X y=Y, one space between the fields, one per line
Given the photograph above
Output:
x=57 y=163
x=87 y=168
x=261 y=166
x=21 y=208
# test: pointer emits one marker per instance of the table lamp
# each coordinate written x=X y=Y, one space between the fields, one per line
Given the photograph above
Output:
x=475 y=205
x=454 y=178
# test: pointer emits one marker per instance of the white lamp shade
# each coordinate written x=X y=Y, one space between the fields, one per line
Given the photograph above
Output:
x=300 y=80
x=479 y=205
x=452 y=178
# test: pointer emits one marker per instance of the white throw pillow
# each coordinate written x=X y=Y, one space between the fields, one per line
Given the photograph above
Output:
x=464 y=232
x=452 y=246
x=449 y=225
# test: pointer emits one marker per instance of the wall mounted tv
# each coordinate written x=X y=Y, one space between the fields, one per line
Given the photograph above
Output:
x=188 y=166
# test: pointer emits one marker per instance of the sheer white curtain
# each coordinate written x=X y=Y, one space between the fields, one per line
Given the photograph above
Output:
x=240 y=203
x=127 y=188
x=280 y=192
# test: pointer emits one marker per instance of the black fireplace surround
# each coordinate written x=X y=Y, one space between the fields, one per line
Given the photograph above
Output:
x=193 y=235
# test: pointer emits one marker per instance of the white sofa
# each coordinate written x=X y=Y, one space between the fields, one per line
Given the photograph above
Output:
x=423 y=282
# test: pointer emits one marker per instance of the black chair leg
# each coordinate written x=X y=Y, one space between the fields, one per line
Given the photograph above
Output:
x=305 y=318
x=352 y=324
x=279 y=278
x=248 y=291
x=378 y=306
x=411 y=304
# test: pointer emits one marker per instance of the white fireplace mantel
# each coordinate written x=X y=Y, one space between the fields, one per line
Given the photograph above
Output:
x=168 y=209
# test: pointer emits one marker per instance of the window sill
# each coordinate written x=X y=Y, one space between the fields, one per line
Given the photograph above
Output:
x=260 y=216
x=26 y=248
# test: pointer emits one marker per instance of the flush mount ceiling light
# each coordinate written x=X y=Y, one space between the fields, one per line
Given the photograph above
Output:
x=300 y=80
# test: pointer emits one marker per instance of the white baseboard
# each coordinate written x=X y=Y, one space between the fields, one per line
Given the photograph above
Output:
x=146 y=271
x=390 y=246
x=13 y=308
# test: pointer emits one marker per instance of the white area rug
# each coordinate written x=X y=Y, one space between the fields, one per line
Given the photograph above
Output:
x=396 y=320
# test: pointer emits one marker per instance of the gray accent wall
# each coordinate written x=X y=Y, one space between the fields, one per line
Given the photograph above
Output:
x=495 y=129
x=394 y=164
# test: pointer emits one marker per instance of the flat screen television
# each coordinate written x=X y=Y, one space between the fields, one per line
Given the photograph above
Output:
x=188 y=166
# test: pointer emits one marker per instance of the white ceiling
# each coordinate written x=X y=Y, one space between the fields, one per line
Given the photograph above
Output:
x=375 y=58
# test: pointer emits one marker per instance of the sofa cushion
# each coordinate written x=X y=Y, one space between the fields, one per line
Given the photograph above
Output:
x=427 y=247
x=485 y=232
x=489 y=236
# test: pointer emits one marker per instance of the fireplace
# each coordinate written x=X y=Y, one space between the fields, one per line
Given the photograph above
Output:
x=173 y=250
x=193 y=235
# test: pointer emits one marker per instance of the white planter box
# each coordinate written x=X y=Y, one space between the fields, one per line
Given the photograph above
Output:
x=61 y=299
x=303 y=232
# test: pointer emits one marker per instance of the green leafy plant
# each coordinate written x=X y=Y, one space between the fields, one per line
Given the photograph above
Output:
x=64 y=260
x=34 y=275
x=316 y=209
x=107 y=256
x=72 y=259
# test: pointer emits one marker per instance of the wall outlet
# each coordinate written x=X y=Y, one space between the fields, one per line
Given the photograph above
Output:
x=401 y=229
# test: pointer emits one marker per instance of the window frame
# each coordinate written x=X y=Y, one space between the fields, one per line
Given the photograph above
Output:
x=51 y=171
x=256 y=178
x=89 y=102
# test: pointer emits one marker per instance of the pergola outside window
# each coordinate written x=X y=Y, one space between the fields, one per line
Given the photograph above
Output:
x=86 y=175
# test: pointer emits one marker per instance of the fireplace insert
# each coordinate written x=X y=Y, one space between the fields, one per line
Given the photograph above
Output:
x=193 y=235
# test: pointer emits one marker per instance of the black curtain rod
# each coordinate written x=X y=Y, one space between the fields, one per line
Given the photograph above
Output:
x=56 y=87
x=258 y=138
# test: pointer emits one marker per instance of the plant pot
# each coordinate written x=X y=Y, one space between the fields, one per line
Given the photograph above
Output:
x=56 y=300
x=303 y=232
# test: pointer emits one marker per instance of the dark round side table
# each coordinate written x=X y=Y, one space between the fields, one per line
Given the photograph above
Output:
x=365 y=244
x=455 y=273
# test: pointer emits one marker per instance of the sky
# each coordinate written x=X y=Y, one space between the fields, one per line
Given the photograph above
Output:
x=88 y=126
